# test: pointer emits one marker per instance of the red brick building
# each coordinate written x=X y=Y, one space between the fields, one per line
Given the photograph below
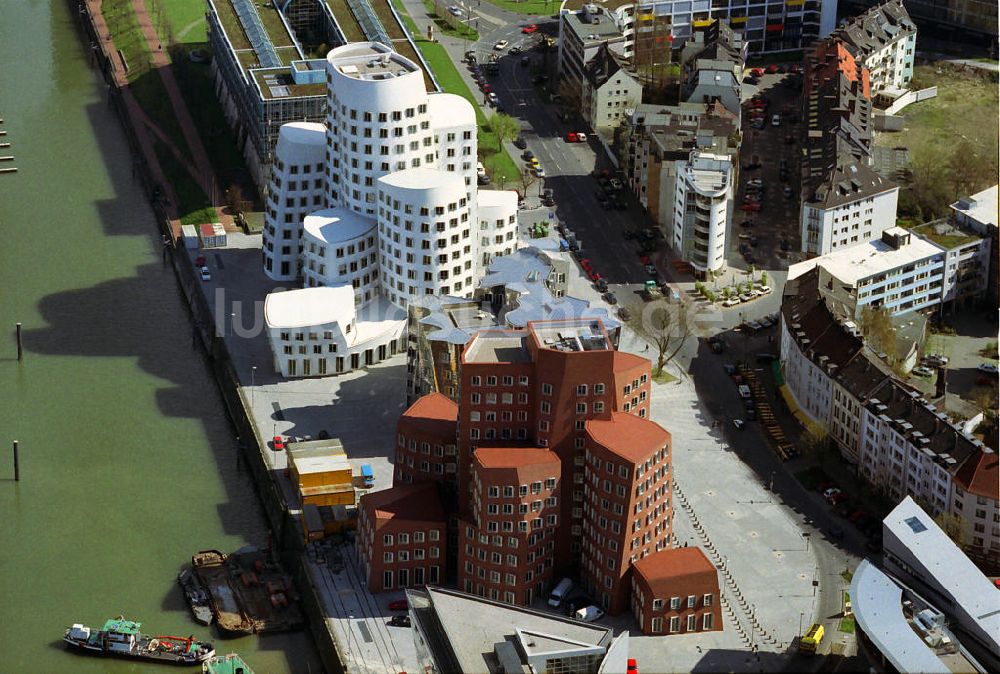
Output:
x=425 y=441
x=543 y=412
x=676 y=592
x=401 y=537
x=627 y=504
x=505 y=547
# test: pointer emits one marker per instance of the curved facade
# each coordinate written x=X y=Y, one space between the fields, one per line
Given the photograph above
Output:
x=497 y=214
x=702 y=210
x=454 y=122
x=339 y=247
x=296 y=188
x=425 y=235
x=377 y=121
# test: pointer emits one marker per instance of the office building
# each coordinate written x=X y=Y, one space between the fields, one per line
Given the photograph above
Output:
x=392 y=211
x=676 y=592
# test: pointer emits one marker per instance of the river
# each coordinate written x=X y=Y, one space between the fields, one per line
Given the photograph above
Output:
x=128 y=464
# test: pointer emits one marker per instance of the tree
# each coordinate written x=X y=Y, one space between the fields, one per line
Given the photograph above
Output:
x=666 y=326
x=763 y=278
x=528 y=178
x=504 y=126
x=876 y=326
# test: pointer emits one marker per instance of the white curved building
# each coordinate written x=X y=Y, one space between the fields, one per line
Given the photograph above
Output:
x=702 y=210
x=296 y=188
x=340 y=247
x=497 y=225
x=377 y=121
x=382 y=200
x=318 y=331
x=426 y=235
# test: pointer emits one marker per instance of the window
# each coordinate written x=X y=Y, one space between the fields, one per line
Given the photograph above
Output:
x=387 y=539
x=675 y=603
x=657 y=604
x=656 y=626
x=692 y=601
x=692 y=625
x=387 y=557
x=581 y=389
x=706 y=600
x=706 y=620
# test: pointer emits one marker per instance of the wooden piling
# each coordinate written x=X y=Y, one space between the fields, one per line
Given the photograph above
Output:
x=17 y=465
x=20 y=344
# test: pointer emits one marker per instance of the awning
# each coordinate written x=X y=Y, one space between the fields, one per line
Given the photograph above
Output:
x=803 y=418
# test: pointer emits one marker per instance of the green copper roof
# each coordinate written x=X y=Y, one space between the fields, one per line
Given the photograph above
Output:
x=121 y=626
x=227 y=664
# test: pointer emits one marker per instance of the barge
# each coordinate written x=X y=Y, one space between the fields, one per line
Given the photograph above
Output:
x=122 y=638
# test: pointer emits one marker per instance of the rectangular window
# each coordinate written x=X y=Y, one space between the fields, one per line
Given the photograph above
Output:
x=675 y=625
x=692 y=625
x=656 y=626
x=706 y=621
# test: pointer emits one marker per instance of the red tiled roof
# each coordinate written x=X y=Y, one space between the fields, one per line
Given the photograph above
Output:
x=673 y=563
x=980 y=475
x=627 y=435
x=433 y=413
x=514 y=457
x=418 y=502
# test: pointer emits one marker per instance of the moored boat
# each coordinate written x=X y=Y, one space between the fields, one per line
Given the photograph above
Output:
x=226 y=664
x=120 y=637
x=196 y=596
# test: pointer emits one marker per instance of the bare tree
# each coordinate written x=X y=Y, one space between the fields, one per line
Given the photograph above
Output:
x=528 y=178
x=504 y=126
x=666 y=326
x=876 y=326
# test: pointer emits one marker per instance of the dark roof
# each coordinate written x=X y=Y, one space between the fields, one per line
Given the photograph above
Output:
x=880 y=25
x=808 y=318
x=603 y=66
x=717 y=42
x=844 y=183
x=863 y=375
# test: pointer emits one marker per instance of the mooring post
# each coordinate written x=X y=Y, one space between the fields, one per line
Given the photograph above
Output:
x=17 y=465
x=20 y=346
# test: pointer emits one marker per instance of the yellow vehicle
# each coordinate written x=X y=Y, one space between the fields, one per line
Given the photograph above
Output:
x=811 y=641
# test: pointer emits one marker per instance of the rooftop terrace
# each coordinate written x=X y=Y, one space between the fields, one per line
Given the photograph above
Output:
x=498 y=346
x=572 y=335
x=370 y=61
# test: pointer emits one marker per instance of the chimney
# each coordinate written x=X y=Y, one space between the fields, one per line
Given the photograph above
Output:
x=942 y=381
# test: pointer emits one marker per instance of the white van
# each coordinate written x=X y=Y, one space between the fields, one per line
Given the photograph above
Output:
x=745 y=392
x=559 y=592
x=480 y=169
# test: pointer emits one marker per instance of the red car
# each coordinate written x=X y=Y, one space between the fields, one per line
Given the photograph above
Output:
x=486 y=88
x=757 y=72
x=585 y=264
x=633 y=668
x=278 y=443
x=644 y=260
x=398 y=605
x=836 y=498
x=530 y=28
x=199 y=261
x=771 y=69
x=594 y=276
x=750 y=207
x=570 y=137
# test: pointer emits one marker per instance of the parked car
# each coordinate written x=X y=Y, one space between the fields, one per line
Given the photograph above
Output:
x=589 y=614
x=530 y=28
x=570 y=137
x=525 y=61
x=624 y=314
x=455 y=10
x=501 y=45
x=581 y=137
x=988 y=368
x=399 y=605
x=923 y=371
x=539 y=172
x=520 y=143
x=739 y=423
x=610 y=298
x=514 y=50
x=771 y=69
x=935 y=359
x=788 y=192
x=205 y=274
x=776 y=120
x=400 y=620
x=830 y=491
x=278 y=443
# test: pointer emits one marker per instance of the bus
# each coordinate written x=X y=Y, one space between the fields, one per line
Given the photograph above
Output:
x=811 y=641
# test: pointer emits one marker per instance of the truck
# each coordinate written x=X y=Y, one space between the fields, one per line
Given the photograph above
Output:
x=367 y=476
x=651 y=291
x=812 y=639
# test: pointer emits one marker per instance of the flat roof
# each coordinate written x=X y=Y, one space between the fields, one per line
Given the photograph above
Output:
x=610 y=5
x=951 y=569
x=336 y=225
x=279 y=83
x=304 y=307
x=498 y=346
x=472 y=626
x=309 y=461
x=877 y=604
x=603 y=31
x=981 y=206
x=575 y=334
x=370 y=61
x=875 y=257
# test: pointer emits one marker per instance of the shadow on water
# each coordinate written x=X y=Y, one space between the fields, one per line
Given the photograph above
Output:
x=138 y=316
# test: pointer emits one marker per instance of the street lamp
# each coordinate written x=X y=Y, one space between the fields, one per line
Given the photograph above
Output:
x=253 y=372
x=232 y=324
x=801 y=615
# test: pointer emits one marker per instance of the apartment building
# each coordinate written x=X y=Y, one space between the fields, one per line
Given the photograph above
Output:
x=507 y=541
x=400 y=537
x=392 y=210
x=627 y=511
x=676 y=591
x=844 y=202
x=583 y=33
x=978 y=214
x=609 y=91
x=899 y=441
x=544 y=412
x=712 y=63
x=528 y=285
x=768 y=26
x=884 y=40
x=679 y=162
x=965 y=22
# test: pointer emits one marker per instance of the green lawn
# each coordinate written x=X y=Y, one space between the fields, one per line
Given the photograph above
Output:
x=443 y=24
x=127 y=36
x=664 y=377
x=495 y=159
x=847 y=625
x=533 y=7
x=185 y=19
x=193 y=207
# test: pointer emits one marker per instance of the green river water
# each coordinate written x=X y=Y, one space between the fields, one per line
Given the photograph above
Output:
x=128 y=464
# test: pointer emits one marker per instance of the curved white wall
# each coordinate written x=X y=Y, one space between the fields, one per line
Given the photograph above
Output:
x=497 y=214
x=339 y=247
x=296 y=188
x=377 y=121
x=454 y=121
x=425 y=232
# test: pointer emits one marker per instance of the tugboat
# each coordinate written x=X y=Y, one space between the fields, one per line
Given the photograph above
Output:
x=226 y=664
x=196 y=596
x=120 y=637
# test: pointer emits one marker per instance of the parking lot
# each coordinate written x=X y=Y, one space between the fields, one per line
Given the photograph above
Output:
x=766 y=223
